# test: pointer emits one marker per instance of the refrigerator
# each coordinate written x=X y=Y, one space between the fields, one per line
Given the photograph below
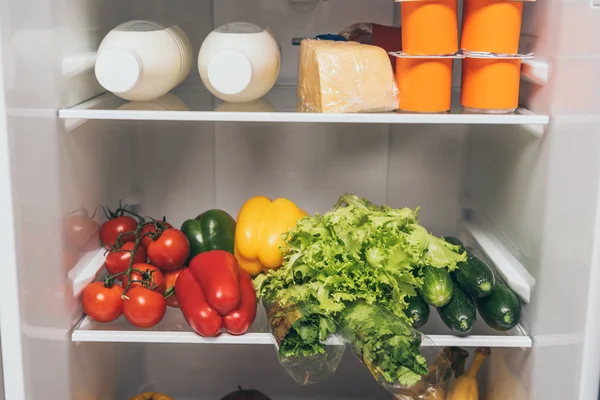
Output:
x=522 y=189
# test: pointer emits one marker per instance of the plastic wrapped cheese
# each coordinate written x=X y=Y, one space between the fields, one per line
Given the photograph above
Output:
x=345 y=77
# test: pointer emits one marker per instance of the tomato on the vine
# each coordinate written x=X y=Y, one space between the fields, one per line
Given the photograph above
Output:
x=144 y=308
x=102 y=302
x=111 y=229
x=150 y=228
x=170 y=280
x=170 y=251
x=150 y=274
x=118 y=260
x=81 y=231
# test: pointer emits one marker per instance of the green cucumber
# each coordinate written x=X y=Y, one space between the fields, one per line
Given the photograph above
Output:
x=501 y=310
x=454 y=241
x=460 y=314
x=437 y=286
x=418 y=310
x=474 y=277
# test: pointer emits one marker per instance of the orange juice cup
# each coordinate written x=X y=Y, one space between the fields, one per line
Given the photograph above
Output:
x=429 y=27
x=424 y=84
x=492 y=25
x=490 y=84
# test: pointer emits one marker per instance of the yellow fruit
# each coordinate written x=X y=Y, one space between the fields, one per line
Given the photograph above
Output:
x=466 y=386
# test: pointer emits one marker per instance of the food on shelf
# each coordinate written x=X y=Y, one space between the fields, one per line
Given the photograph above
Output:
x=142 y=307
x=491 y=26
x=141 y=298
x=455 y=241
x=214 y=293
x=170 y=281
x=460 y=313
x=359 y=259
x=466 y=387
x=117 y=223
x=145 y=275
x=417 y=310
x=245 y=394
x=211 y=230
x=437 y=286
x=101 y=301
x=239 y=62
x=490 y=83
x=151 y=396
x=298 y=328
x=261 y=224
x=119 y=257
x=142 y=60
x=150 y=229
x=345 y=77
x=474 y=277
x=386 y=344
x=424 y=84
x=430 y=27
x=170 y=249
x=501 y=310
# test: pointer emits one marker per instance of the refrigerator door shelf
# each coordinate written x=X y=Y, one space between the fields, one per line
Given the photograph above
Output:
x=506 y=264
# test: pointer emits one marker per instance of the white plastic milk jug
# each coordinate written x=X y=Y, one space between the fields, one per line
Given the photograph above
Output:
x=143 y=60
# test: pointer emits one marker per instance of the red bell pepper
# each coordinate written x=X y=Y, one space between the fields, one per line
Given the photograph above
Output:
x=215 y=293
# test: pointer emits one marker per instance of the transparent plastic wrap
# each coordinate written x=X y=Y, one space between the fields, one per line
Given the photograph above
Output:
x=392 y=352
x=301 y=333
x=345 y=77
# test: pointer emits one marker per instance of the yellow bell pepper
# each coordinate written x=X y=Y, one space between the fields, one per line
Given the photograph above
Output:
x=260 y=225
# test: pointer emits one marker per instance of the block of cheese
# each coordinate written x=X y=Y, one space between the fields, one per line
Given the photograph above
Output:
x=345 y=77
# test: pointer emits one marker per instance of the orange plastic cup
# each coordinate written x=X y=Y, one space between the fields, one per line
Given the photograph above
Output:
x=429 y=27
x=492 y=25
x=424 y=84
x=490 y=84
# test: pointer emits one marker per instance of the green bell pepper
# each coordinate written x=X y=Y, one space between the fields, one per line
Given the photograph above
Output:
x=211 y=230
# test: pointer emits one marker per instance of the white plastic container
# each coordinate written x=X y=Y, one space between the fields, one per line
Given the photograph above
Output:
x=239 y=62
x=142 y=60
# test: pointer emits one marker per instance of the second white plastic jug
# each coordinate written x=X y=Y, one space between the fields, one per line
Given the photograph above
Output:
x=239 y=62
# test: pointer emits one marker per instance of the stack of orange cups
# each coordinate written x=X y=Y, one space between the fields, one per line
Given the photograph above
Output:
x=424 y=71
x=491 y=78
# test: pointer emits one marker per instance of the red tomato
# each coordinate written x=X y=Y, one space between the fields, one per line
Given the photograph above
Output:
x=151 y=274
x=170 y=250
x=170 y=279
x=101 y=303
x=144 y=308
x=111 y=229
x=150 y=228
x=118 y=260
x=80 y=230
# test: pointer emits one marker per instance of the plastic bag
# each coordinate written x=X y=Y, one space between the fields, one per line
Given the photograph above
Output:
x=345 y=77
x=300 y=334
x=392 y=352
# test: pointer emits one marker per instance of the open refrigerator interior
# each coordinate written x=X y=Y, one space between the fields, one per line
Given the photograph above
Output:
x=522 y=193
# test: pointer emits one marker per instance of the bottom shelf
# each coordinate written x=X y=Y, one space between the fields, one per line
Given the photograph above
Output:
x=174 y=329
